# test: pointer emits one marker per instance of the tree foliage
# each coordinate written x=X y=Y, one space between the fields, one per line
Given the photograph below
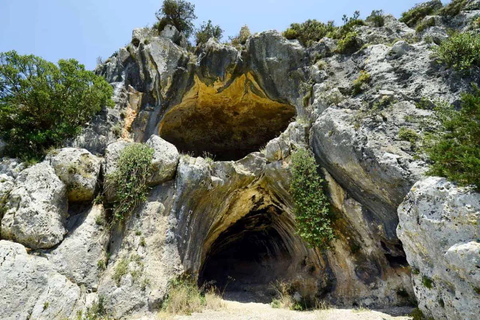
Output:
x=128 y=182
x=42 y=104
x=308 y=32
x=415 y=15
x=454 y=147
x=206 y=31
x=179 y=13
x=313 y=216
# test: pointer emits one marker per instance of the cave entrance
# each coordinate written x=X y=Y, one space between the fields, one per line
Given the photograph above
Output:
x=225 y=123
x=249 y=256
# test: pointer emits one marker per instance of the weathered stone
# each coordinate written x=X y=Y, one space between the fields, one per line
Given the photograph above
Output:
x=36 y=208
x=30 y=288
x=439 y=228
x=170 y=32
x=81 y=256
x=164 y=162
x=79 y=170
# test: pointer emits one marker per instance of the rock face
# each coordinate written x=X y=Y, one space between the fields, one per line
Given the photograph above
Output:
x=439 y=228
x=79 y=170
x=224 y=123
x=31 y=289
x=36 y=208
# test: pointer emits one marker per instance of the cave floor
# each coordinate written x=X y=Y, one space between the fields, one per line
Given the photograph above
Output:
x=237 y=310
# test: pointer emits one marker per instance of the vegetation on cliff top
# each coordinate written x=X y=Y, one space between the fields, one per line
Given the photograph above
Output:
x=178 y=13
x=312 y=208
x=42 y=104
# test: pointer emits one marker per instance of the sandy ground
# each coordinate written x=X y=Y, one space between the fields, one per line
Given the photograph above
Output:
x=259 y=311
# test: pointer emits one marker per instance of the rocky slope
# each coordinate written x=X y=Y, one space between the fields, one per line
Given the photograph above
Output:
x=223 y=123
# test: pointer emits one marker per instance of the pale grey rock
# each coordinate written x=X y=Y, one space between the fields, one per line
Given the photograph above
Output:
x=82 y=254
x=439 y=228
x=11 y=167
x=112 y=155
x=30 y=288
x=293 y=138
x=164 y=162
x=79 y=170
x=400 y=48
x=170 y=32
x=36 y=208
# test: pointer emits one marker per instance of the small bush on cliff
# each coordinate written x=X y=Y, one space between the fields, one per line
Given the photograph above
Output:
x=179 y=13
x=460 y=51
x=377 y=18
x=242 y=36
x=42 y=104
x=361 y=83
x=206 y=31
x=454 y=147
x=308 y=32
x=313 y=216
x=413 y=16
x=129 y=182
x=453 y=8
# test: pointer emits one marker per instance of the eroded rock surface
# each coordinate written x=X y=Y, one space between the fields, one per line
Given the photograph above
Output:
x=36 y=208
x=439 y=228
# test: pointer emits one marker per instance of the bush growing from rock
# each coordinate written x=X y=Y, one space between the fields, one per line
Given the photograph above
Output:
x=42 y=104
x=361 y=82
x=207 y=31
x=349 y=44
x=179 y=13
x=454 y=147
x=460 y=51
x=377 y=18
x=308 y=32
x=413 y=16
x=453 y=8
x=313 y=216
x=242 y=37
x=128 y=182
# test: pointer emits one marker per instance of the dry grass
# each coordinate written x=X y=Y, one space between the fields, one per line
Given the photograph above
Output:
x=185 y=298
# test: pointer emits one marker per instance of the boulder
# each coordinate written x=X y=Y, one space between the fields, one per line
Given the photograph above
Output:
x=164 y=162
x=79 y=170
x=36 y=208
x=439 y=228
x=30 y=288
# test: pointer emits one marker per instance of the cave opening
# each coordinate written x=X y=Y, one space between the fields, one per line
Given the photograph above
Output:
x=249 y=256
x=225 y=123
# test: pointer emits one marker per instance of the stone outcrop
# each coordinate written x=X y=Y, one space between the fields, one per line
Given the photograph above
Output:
x=164 y=162
x=79 y=170
x=36 y=208
x=439 y=228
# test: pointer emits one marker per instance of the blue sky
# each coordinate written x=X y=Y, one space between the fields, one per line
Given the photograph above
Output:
x=87 y=29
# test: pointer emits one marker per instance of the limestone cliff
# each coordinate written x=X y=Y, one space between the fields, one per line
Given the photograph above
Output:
x=223 y=123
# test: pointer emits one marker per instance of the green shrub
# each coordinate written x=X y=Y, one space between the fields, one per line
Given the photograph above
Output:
x=427 y=282
x=308 y=32
x=42 y=104
x=358 y=84
x=454 y=147
x=128 y=183
x=407 y=134
x=207 y=31
x=413 y=16
x=453 y=8
x=425 y=24
x=349 y=44
x=242 y=37
x=313 y=217
x=460 y=51
x=179 y=13
x=377 y=18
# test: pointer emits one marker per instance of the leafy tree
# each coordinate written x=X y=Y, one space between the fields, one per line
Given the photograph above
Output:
x=207 y=31
x=179 y=13
x=454 y=147
x=313 y=217
x=377 y=18
x=128 y=183
x=42 y=104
